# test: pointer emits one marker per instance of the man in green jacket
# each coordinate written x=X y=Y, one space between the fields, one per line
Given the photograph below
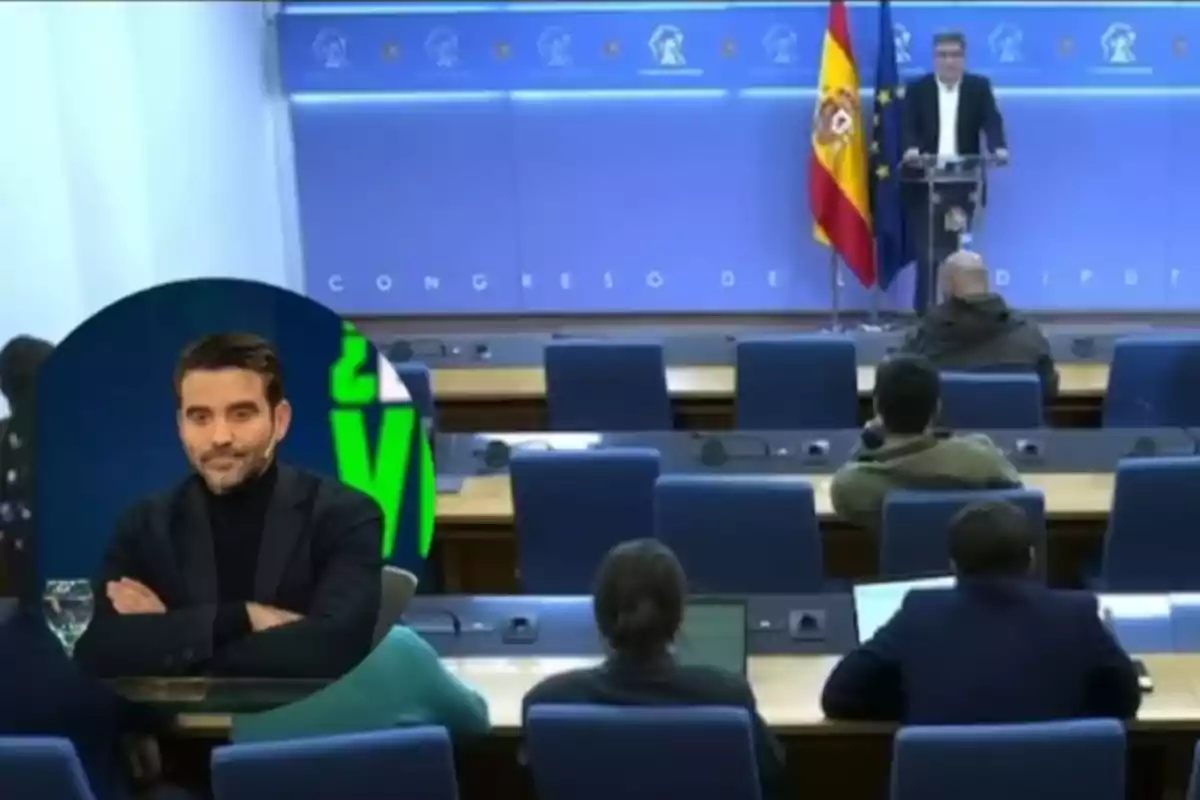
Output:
x=901 y=450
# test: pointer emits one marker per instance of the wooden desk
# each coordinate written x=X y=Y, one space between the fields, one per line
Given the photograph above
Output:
x=788 y=689
x=513 y=398
x=847 y=761
x=476 y=541
x=488 y=500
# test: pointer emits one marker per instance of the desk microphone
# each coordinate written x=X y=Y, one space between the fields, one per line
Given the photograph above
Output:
x=497 y=453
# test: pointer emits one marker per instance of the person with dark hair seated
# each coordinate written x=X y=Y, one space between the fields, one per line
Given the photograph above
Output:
x=901 y=450
x=999 y=647
x=42 y=692
x=20 y=360
x=639 y=601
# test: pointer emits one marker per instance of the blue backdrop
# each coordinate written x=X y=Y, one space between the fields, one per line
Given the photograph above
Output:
x=646 y=157
x=107 y=433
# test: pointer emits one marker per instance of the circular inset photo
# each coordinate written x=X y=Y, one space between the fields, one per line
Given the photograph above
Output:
x=233 y=498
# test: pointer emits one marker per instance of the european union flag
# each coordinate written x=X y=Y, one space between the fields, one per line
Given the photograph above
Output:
x=891 y=242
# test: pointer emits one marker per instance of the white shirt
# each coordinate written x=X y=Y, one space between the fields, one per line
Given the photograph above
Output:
x=948 y=120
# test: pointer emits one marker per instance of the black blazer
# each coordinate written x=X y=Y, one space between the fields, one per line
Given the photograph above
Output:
x=320 y=557
x=987 y=652
x=663 y=682
x=43 y=693
x=977 y=114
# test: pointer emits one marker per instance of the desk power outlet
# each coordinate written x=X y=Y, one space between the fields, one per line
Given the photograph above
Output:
x=806 y=625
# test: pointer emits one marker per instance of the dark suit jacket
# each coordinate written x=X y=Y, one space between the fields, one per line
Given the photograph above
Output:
x=977 y=114
x=18 y=546
x=320 y=557
x=987 y=652
x=43 y=693
x=663 y=682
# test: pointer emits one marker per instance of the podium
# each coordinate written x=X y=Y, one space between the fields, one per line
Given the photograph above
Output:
x=954 y=205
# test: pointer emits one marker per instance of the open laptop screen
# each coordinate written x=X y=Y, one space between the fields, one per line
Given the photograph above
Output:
x=876 y=603
x=713 y=634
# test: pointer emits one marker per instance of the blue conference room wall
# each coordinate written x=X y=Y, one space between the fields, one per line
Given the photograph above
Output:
x=498 y=183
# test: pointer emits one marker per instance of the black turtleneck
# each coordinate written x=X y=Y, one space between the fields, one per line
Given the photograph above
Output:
x=237 y=519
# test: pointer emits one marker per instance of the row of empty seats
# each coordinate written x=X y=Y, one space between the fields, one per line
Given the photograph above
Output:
x=698 y=753
x=749 y=534
x=811 y=382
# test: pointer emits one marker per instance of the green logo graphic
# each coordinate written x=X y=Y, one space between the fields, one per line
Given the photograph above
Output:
x=401 y=450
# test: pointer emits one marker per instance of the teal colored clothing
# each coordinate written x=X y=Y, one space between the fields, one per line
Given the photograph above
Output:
x=402 y=683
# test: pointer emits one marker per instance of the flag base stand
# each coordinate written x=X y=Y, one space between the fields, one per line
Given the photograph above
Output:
x=835 y=295
x=836 y=325
x=861 y=327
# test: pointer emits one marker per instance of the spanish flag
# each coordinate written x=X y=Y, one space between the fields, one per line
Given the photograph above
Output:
x=838 y=184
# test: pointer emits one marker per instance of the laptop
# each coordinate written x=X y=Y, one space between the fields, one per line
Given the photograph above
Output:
x=876 y=603
x=714 y=634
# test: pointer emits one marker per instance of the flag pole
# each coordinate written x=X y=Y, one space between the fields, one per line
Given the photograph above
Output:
x=876 y=294
x=835 y=293
x=876 y=298
x=838 y=203
x=835 y=287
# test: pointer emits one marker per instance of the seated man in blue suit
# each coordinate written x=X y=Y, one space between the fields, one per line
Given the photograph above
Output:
x=997 y=648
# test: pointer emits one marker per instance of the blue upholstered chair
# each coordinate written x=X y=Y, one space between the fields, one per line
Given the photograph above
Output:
x=807 y=382
x=1151 y=543
x=1154 y=382
x=417 y=762
x=417 y=379
x=915 y=539
x=1045 y=761
x=979 y=401
x=604 y=752
x=607 y=386
x=743 y=534
x=37 y=768
x=570 y=508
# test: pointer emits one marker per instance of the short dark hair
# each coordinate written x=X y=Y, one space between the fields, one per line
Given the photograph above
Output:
x=639 y=597
x=992 y=538
x=20 y=360
x=234 y=351
x=907 y=390
x=951 y=37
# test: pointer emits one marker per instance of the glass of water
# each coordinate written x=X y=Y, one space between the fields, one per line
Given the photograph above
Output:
x=69 y=606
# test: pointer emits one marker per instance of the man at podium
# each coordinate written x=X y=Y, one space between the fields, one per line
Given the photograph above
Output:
x=945 y=116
